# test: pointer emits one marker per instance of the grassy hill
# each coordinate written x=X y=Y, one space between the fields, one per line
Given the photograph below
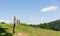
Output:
x=21 y=30
x=53 y=25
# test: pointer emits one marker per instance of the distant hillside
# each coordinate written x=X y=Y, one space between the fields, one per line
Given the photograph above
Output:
x=55 y=22
x=53 y=25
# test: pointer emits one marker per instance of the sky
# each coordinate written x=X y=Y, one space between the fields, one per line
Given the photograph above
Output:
x=30 y=11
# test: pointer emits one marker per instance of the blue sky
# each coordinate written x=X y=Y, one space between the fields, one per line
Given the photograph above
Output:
x=30 y=11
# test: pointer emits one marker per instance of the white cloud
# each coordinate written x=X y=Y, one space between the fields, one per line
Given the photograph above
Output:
x=50 y=8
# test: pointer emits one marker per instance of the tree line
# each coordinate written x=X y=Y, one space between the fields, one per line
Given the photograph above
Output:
x=54 y=25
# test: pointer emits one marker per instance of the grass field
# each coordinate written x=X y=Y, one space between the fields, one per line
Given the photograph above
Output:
x=26 y=31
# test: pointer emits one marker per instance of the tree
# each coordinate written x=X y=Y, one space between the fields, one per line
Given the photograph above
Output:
x=18 y=21
x=14 y=25
x=3 y=23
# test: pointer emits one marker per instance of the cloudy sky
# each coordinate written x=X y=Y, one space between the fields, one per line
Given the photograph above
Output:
x=30 y=11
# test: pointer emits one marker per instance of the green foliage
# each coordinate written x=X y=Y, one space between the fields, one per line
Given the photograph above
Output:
x=3 y=31
x=31 y=31
x=3 y=23
x=24 y=24
x=54 y=25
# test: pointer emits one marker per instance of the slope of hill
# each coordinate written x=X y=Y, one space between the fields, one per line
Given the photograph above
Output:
x=6 y=30
x=53 y=25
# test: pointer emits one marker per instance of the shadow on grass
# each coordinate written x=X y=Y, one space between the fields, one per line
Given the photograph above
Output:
x=3 y=32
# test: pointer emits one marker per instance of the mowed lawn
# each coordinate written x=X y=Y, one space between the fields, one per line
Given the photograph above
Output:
x=29 y=31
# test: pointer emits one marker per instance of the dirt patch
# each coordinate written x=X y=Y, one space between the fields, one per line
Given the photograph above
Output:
x=21 y=34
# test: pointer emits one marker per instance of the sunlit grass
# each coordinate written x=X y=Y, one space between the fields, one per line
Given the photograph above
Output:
x=30 y=30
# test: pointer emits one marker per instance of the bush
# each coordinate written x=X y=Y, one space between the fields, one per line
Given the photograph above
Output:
x=3 y=23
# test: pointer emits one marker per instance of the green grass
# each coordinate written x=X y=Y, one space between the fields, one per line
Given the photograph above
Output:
x=30 y=30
